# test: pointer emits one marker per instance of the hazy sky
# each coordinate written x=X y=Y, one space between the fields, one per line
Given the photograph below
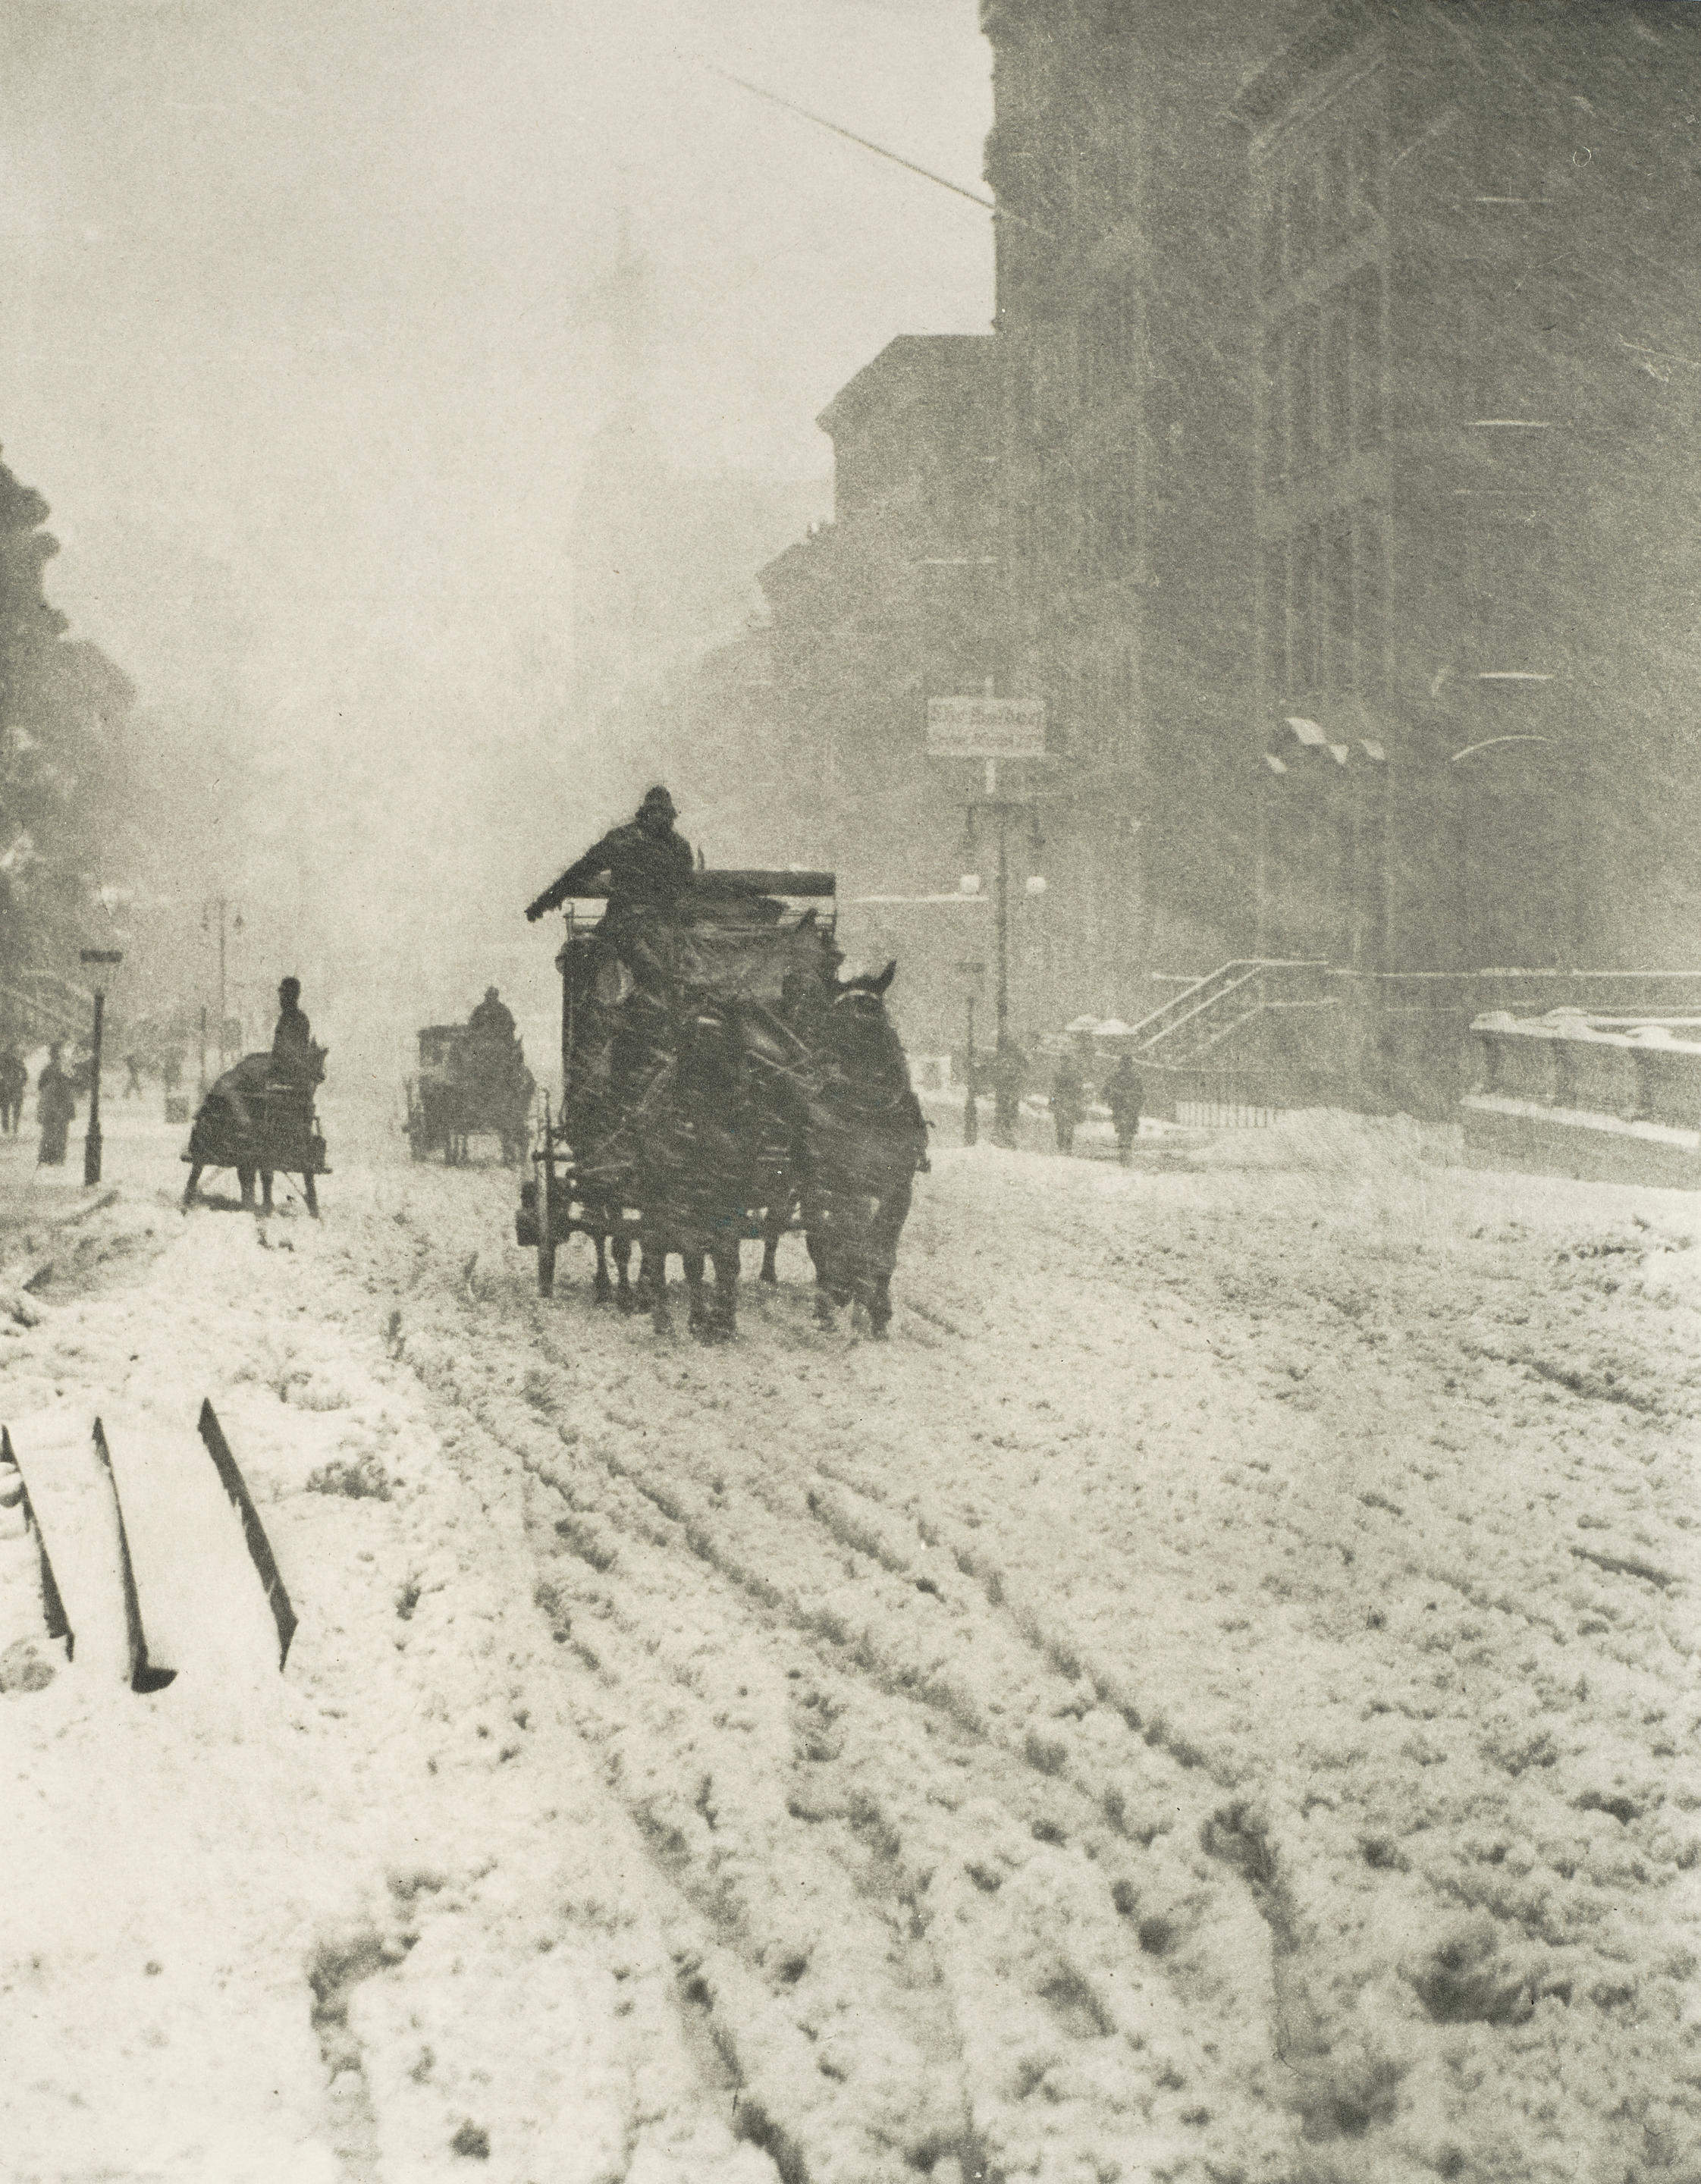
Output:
x=295 y=305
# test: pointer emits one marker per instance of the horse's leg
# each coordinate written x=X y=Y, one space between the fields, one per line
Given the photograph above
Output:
x=885 y=1226
x=652 y=1281
x=602 y=1289
x=726 y=1318
x=697 y=1319
x=245 y=1181
x=265 y=1176
x=625 y=1301
x=310 y=1195
x=193 y=1185
x=774 y=1219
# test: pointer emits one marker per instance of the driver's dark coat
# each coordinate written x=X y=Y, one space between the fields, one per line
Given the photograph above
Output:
x=292 y=1044
x=646 y=871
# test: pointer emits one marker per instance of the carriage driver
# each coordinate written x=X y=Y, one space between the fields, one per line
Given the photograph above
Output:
x=292 y=1043
x=647 y=863
x=492 y=1019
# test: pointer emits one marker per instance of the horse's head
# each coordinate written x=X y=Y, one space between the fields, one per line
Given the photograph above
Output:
x=861 y=1039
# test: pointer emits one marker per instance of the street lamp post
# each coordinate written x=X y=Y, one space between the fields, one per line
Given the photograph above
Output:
x=222 y=903
x=973 y=972
x=91 y=1138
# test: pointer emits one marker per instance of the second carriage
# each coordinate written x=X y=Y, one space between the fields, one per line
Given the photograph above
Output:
x=743 y=940
x=468 y=1083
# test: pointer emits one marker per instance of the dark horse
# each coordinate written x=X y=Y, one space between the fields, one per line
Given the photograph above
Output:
x=258 y=1118
x=865 y=1138
x=696 y=1171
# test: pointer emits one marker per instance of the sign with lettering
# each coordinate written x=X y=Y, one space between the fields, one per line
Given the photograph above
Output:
x=986 y=727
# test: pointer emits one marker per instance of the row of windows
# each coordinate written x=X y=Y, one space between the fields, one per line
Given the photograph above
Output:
x=1322 y=609
x=1318 y=208
x=1324 y=372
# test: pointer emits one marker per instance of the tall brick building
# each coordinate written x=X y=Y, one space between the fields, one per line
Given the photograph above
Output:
x=1124 y=320
x=1351 y=371
x=896 y=600
x=1342 y=411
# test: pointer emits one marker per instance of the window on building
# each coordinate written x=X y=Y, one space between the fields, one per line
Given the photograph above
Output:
x=1307 y=617
x=1510 y=568
x=1273 y=616
x=1337 y=383
x=1274 y=447
x=1370 y=591
x=1303 y=421
x=1365 y=303
x=1269 y=238
x=1368 y=179
x=1341 y=667
x=1337 y=195
x=1124 y=726
x=1302 y=222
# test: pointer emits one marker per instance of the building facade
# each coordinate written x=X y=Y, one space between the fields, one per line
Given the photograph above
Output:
x=896 y=601
x=1479 y=247
x=1348 y=394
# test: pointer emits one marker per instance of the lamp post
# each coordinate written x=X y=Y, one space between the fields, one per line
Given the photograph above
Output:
x=973 y=972
x=222 y=903
x=91 y=1138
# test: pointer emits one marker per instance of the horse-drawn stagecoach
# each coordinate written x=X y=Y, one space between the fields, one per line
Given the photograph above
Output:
x=468 y=1083
x=720 y=1084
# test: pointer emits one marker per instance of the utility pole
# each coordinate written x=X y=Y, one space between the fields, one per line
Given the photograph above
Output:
x=91 y=1140
x=973 y=972
x=222 y=903
x=989 y=727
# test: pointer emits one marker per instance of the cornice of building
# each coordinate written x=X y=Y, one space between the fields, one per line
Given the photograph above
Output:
x=908 y=366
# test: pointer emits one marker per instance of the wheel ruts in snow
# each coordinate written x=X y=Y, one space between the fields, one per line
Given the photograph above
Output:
x=53 y=1604
x=144 y=1677
x=259 y=1547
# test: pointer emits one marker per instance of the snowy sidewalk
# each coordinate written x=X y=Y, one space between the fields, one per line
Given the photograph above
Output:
x=370 y=1918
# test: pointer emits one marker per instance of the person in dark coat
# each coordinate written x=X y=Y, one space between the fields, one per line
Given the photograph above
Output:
x=56 y=1108
x=1122 y=1096
x=492 y=1019
x=14 y=1082
x=1069 y=1100
x=132 y=1082
x=292 y=1043
x=1009 y=1067
x=648 y=865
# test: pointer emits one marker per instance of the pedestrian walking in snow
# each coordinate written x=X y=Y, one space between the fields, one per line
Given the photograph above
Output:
x=56 y=1108
x=132 y=1085
x=1123 y=1094
x=14 y=1082
x=1009 y=1065
x=1069 y=1101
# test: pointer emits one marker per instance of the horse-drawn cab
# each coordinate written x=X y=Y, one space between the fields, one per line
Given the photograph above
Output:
x=259 y=1119
x=468 y=1082
x=637 y=1001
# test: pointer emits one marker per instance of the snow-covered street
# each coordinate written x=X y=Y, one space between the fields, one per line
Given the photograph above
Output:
x=1213 y=1697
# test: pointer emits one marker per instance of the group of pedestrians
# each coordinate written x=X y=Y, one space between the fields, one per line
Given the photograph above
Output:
x=57 y=1090
x=1122 y=1093
x=56 y=1099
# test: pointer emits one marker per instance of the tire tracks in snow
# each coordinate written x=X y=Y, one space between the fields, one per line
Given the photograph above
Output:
x=999 y=1886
